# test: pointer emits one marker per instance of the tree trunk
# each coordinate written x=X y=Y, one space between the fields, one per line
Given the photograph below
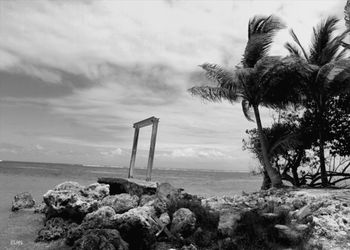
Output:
x=295 y=176
x=274 y=175
x=322 y=160
x=266 y=181
x=321 y=151
x=296 y=164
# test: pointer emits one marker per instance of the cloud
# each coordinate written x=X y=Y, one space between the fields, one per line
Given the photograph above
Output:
x=39 y=147
x=198 y=153
x=10 y=148
x=112 y=153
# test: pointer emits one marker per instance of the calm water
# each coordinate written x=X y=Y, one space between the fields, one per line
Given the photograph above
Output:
x=207 y=183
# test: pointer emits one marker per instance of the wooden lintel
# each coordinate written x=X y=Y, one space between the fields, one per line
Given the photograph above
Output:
x=145 y=122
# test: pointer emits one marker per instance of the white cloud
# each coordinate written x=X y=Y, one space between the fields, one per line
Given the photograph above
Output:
x=112 y=153
x=199 y=152
x=39 y=147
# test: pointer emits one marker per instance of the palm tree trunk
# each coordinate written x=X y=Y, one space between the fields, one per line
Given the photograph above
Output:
x=321 y=151
x=274 y=175
x=266 y=181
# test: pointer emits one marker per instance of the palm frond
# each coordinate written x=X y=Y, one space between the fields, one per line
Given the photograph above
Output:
x=334 y=78
x=261 y=30
x=322 y=38
x=296 y=40
x=218 y=74
x=345 y=45
x=341 y=54
x=282 y=79
x=213 y=94
x=334 y=49
x=294 y=51
x=247 y=110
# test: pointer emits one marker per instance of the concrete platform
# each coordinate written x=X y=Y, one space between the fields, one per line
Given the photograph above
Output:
x=131 y=186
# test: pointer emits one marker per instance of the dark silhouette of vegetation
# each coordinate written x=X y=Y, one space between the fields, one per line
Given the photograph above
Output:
x=260 y=80
x=330 y=77
x=293 y=141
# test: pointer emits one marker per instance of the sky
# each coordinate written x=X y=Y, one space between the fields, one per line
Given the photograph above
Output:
x=76 y=75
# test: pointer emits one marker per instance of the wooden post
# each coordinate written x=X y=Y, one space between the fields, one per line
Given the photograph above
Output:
x=151 y=150
x=133 y=153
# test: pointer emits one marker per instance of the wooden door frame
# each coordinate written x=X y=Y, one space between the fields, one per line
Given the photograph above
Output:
x=149 y=121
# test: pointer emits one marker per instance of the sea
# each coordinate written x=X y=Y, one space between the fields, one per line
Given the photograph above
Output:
x=202 y=182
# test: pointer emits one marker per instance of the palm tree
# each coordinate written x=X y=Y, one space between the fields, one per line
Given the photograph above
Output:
x=261 y=80
x=330 y=77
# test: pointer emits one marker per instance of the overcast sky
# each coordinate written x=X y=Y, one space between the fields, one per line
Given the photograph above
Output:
x=75 y=76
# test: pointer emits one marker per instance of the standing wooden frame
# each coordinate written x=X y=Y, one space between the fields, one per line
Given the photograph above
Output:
x=154 y=121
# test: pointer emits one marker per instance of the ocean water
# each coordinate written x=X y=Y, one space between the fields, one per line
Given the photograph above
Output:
x=201 y=182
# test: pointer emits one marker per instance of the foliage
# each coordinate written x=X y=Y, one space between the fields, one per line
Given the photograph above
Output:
x=293 y=145
x=330 y=77
x=338 y=118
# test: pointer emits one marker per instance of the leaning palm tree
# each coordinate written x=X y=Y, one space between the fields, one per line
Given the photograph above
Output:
x=331 y=75
x=261 y=80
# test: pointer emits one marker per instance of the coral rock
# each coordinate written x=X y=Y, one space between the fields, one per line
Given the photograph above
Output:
x=137 y=227
x=184 y=222
x=102 y=239
x=166 y=191
x=121 y=202
x=55 y=228
x=144 y=199
x=303 y=212
x=165 y=218
x=96 y=191
x=103 y=213
x=227 y=223
x=69 y=185
x=22 y=200
x=69 y=201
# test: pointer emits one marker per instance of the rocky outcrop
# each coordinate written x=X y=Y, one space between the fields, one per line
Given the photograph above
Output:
x=40 y=208
x=227 y=224
x=95 y=191
x=144 y=199
x=69 y=185
x=104 y=213
x=55 y=228
x=164 y=218
x=137 y=227
x=170 y=218
x=72 y=201
x=22 y=200
x=184 y=222
x=102 y=239
x=166 y=191
x=121 y=202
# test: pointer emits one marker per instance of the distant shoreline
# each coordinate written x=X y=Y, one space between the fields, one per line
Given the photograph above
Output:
x=122 y=167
